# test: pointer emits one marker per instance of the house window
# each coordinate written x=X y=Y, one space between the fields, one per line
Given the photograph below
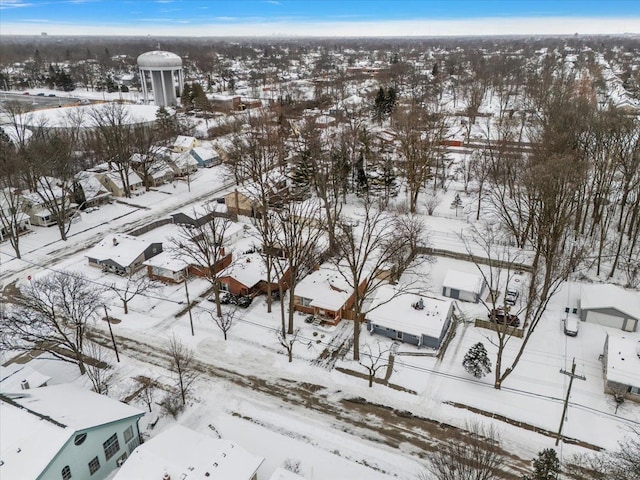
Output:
x=80 y=438
x=399 y=335
x=224 y=287
x=111 y=446
x=128 y=434
x=94 y=465
x=66 y=473
x=305 y=302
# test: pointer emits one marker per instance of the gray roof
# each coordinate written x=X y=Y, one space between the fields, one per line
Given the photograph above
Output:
x=159 y=59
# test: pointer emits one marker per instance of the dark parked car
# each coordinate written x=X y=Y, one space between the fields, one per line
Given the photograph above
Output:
x=244 y=301
x=501 y=317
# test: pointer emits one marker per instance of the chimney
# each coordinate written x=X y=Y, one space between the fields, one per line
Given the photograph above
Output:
x=166 y=476
x=115 y=241
x=24 y=385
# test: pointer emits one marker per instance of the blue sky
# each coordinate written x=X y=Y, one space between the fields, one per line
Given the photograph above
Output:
x=318 y=17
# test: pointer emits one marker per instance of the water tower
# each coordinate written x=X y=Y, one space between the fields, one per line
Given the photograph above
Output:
x=164 y=68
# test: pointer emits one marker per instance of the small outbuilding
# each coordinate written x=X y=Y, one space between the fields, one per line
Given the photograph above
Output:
x=468 y=287
x=611 y=306
x=411 y=318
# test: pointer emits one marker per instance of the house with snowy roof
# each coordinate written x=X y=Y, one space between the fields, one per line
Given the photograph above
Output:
x=183 y=164
x=89 y=192
x=410 y=318
x=611 y=306
x=326 y=294
x=184 y=143
x=245 y=200
x=622 y=364
x=206 y=155
x=167 y=267
x=41 y=208
x=247 y=275
x=122 y=254
x=64 y=432
x=182 y=453
x=11 y=216
x=16 y=377
x=468 y=287
x=112 y=181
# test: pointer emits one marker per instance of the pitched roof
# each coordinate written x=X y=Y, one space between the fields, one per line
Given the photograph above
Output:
x=610 y=296
x=12 y=376
x=468 y=282
x=184 y=453
x=399 y=314
x=326 y=288
x=122 y=249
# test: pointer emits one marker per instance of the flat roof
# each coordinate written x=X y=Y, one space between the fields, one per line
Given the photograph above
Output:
x=623 y=362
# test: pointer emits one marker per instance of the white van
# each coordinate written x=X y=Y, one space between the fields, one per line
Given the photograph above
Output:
x=571 y=326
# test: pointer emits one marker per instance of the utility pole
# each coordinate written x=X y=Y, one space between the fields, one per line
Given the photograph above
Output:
x=186 y=289
x=113 y=339
x=571 y=375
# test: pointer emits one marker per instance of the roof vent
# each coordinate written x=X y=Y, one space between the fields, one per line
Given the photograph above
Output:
x=115 y=241
x=24 y=385
x=166 y=476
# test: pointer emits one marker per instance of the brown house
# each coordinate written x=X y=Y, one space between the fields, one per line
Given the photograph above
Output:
x=326 y=294
x=248 y=276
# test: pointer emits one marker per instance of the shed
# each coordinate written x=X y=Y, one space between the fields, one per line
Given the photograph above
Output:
x=468 y=287
x=611 y=306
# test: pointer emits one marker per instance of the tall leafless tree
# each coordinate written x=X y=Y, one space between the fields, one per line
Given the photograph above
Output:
x=182 y=365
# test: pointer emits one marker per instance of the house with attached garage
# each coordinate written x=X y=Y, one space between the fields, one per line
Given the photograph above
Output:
x=182 y=453
x=247 y=275
x=64 y=432
x=122 y=254
x=419 y=320
x=167 y=267
x=325 y=294
x=611 y=306
x=621 y=359
x=468 y=287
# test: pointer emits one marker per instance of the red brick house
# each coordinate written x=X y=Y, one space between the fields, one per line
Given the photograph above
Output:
x=247 y=275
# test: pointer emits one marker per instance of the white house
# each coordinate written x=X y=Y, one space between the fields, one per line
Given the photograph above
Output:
x=181 y=453
x=468 y=287
x=183 y=164
x=122 y=254
x=184 y=143
x=112 y=181
x=411 y=318
x=611 y=306
x=64 y=432
x=622 y=364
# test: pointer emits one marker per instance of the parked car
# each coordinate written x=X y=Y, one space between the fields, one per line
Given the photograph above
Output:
x=501 y=317
x=51 y=95
x=511 y=296
x=244 y=301
x=571 y=326
x=40 y=95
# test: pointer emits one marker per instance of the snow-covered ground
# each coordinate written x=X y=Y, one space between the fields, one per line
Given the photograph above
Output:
x=277 y=430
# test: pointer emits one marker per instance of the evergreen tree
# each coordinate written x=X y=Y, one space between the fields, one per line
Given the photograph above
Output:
x=302 y=173
x=379 y=105
x=435 y=69
x=362 y=182
x=545 y=467
x=476 y=361
x=390 y=101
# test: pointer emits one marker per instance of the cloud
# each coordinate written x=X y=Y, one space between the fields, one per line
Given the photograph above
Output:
x=6 y=4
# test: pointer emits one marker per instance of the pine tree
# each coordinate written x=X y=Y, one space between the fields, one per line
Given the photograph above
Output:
x=379 y=105
x=545 y=467
x=476 y=361
x=390 y=101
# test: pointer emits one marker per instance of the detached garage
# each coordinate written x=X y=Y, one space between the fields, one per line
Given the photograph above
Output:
x=610 y=306
x=468 y=287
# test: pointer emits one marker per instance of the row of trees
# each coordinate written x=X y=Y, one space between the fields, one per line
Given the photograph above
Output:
x=42 y=164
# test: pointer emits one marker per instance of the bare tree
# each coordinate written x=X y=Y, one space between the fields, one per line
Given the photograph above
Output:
x=288 y=341
x=182 y=365
x=98 y=370
x=137 y=283
x=11 y=201
x=476 y=456
x=202 y=246
x=225 y=321
x=146 y=387
x=365 y=252
x=374 y=359
x=52 y=314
